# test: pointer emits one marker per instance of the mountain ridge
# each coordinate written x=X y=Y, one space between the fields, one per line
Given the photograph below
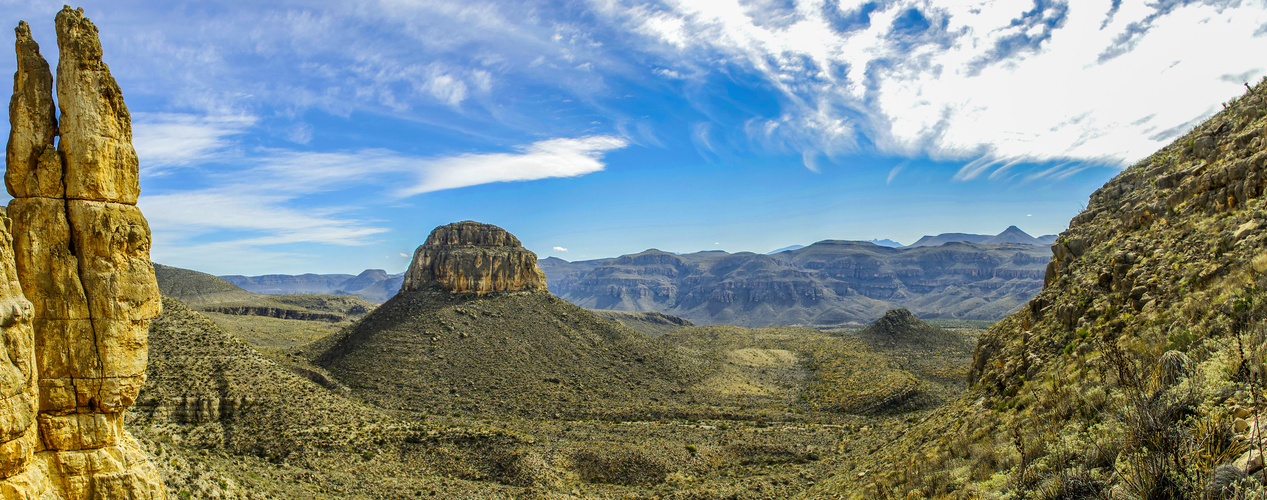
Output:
x=374 y=285
x=829 y=283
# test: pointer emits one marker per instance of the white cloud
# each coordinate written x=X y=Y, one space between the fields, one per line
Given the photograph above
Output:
x=970 y=81
x=893 y=173
x=268 y=200
x=300 y=134
x=263 y=219
x=559 y=249
x=173 y=139
x=539 y=160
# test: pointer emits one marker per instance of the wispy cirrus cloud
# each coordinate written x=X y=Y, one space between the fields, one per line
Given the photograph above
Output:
x=165 y=140
x=260 y=219
x=264 y=198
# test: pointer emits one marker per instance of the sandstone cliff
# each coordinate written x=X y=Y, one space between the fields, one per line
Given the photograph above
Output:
x=474 y=257
x=79 y=288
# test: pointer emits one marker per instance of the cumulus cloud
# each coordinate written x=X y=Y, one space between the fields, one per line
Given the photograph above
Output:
x=559 y=249
x=539 y=160
x=993 y=81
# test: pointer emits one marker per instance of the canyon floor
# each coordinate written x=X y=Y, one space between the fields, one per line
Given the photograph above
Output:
x=240 y=406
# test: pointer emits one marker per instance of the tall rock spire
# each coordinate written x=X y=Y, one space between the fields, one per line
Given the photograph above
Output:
x=80 y=256
x=33 y=167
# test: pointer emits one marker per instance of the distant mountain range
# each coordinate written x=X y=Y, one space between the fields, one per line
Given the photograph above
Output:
x=830 y=282
x=372 y=284
x=825 y=284
x=1012 y=234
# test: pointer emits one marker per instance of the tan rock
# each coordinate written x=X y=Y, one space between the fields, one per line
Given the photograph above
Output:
x=33 y=167
x=96 y=128
x=18 y=389
x=16 y=455
x=1245 y=230
x=1250 y=461
x=118 y=471
x=474 y=257
x=112 y=241
x=49 y=271
x=80 y=431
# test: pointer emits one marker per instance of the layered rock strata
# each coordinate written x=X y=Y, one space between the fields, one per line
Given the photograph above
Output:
x=474 y=257
x=79 y=289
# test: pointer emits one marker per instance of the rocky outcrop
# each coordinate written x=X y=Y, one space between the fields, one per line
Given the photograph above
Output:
x=79 y=291
x=474 y=257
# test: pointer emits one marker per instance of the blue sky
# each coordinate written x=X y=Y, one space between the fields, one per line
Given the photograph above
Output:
x=332 y=136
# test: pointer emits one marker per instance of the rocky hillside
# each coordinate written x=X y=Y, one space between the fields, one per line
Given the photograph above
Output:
x=202 y=375
x=828 y=283
x=1138 y=371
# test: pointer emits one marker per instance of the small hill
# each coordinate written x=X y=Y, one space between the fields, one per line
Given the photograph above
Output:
x=1012 y=234
x=900 y=327
x=511 y=353
x=943 y=238
x=885 y=243
x=785 y=249
x=196 y=289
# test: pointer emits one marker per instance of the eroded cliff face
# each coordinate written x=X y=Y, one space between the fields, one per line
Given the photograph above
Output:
x=78 y=289
x=474 y=257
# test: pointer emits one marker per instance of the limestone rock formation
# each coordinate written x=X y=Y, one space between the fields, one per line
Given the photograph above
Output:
x=474 y=257
x=78 y=289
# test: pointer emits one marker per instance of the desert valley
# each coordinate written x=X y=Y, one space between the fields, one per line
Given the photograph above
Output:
x=1124 y=358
